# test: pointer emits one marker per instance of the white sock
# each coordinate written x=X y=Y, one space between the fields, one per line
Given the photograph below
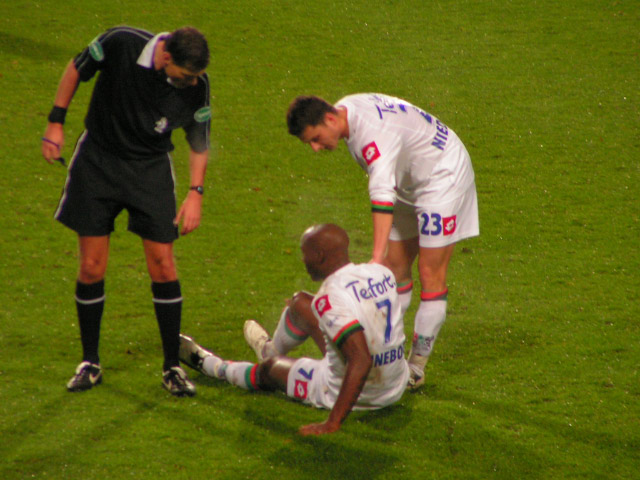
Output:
x=241 y=374
x=430 y=316
x=211 y=366
x=287 y=336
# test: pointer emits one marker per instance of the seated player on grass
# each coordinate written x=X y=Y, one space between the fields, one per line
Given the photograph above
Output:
x=354 y=319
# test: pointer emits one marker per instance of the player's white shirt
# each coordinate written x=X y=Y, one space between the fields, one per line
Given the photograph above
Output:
x=407 y=153
x=364 y=296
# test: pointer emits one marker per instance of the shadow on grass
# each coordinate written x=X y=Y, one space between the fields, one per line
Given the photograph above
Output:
x=33 y=49
x=358 y=451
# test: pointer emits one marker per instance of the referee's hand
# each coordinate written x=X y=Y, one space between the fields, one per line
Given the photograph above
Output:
x=189 y=213
x=52 y=142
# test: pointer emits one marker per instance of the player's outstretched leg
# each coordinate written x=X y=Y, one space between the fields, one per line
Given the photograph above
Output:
x=240 y=374
x=192 y=354
x=199 y=358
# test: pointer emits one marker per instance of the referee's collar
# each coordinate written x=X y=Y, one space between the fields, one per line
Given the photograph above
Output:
x=146 y=57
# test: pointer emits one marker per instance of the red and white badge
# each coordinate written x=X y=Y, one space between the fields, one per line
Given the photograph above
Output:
x=301 y=389
x=449 y=225
x=370 y=153
x=322 y=305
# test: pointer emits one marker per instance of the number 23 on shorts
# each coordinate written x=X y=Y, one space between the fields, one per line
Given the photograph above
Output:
x=435 y=224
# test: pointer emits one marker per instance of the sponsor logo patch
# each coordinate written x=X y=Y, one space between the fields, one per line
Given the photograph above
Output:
x=202 y=115
x=449 y=225
x=370 y=153
x=301 y=389
x=323 y=305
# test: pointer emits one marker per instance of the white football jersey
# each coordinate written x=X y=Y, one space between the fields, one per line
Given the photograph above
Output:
x=408 y=153
x=364 y=297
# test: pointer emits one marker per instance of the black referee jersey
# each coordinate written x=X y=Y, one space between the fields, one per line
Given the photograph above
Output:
x=133 y=108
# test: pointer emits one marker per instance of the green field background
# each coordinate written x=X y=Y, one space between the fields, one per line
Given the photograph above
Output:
x=535 y=373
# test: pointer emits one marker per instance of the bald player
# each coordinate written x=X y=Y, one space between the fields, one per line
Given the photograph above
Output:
x=354 y=320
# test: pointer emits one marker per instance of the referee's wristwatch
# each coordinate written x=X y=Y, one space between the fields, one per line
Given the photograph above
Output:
x=198 y=188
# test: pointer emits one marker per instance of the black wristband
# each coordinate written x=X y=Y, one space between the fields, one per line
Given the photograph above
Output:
x=57 y=115
x=198 y=188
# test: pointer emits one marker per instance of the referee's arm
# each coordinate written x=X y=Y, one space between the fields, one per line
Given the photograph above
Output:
x=190 y=210
x=54 y=134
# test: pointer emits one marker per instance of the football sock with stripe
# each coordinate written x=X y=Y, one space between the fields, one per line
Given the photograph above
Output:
x=167 y=302
x=90 y=305
x=429 y=319
x=240 y=374
x=287 y=335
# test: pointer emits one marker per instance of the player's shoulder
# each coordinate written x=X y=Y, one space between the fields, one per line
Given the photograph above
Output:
x=368 y=269
x=356 y=100
x=126 y=34
x=354 y=277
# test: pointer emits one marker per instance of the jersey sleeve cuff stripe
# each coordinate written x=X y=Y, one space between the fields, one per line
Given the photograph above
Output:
x=345 y=331
x=382 y=207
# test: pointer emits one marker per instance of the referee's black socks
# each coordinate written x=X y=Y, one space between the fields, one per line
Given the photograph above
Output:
x=90 y=304
x=167 y=301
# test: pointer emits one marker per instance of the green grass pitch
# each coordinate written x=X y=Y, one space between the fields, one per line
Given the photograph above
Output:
x=535 y=374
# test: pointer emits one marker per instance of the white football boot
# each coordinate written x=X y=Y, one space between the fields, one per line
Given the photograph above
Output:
x=259 y=340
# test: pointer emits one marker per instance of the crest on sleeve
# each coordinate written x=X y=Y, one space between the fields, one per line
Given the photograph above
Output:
x=370 y=153
x=202 y=115
x=322 y=305
x=96 y=51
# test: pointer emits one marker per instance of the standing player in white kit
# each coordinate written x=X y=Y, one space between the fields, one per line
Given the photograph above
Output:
x=422 y=191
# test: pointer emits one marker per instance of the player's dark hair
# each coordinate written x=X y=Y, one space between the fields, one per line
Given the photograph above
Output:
x=307 y=111
x=188 y=48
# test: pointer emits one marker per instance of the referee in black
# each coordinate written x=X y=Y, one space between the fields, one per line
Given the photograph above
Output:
x=148 y=86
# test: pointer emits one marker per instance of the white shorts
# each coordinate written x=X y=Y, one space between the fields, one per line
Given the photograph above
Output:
x=309 y=382
x=437 y=225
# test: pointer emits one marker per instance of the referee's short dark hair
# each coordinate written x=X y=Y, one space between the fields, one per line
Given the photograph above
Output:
x=188 y=48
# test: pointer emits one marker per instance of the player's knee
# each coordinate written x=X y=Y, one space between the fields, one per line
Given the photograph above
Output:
x=300 y=311
x=265 y=370
x=162 y=269
x=91 y=270
x=301 y=302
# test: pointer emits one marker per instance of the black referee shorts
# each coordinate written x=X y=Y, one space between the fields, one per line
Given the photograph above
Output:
x=100 y=185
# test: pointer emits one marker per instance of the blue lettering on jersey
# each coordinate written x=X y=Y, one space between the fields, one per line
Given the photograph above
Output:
x=388 y=357
x=388 y=110
x=442 y=133
x=372 y=289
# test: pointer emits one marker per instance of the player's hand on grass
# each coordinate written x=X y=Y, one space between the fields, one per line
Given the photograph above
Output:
x=319 y=428
x=189 y=213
